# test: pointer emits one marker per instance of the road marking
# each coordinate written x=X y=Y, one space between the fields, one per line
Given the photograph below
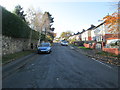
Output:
x=102 y=63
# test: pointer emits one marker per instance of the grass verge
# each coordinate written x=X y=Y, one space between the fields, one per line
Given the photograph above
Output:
x=85 y=48
x=11 y=57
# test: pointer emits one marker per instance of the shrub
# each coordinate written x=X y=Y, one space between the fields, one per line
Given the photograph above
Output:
x=79 y=43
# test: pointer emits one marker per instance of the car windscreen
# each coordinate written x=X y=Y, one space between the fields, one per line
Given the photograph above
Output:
x=44 y=45
x=65 y=42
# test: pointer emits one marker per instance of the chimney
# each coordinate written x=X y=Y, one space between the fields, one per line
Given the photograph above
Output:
x=92 y=25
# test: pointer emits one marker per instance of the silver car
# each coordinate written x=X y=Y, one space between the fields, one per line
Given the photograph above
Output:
x=64 y=43
x=44 y=48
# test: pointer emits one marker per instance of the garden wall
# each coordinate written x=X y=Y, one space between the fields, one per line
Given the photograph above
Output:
x=12 y=45
x=89 y=46
x=112 y=50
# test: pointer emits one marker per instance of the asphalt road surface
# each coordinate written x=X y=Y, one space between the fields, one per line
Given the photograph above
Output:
x=63 y=68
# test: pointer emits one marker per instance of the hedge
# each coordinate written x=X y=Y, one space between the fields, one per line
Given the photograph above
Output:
x=14 y=26
x=35 y=34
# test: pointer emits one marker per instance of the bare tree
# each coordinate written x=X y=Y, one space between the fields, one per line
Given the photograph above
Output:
x=34 y=19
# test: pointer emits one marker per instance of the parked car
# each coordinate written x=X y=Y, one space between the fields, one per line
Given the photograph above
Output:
x=44 y=48
x=64 y=43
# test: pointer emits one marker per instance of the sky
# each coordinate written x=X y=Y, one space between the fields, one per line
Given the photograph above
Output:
x=69 y=15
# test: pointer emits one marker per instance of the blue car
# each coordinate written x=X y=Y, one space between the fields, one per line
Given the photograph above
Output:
x=44 y=48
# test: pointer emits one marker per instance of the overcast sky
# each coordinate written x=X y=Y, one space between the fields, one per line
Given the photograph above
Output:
x=68 y=15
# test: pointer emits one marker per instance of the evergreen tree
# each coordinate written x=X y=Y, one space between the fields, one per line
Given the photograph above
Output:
x=19 y=12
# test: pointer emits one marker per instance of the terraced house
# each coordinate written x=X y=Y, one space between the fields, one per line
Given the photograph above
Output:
x=87 y=34
x=99 y=37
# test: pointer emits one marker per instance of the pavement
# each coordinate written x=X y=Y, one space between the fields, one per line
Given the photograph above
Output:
x=63 y=68
x=102 y=58
x=14 y=65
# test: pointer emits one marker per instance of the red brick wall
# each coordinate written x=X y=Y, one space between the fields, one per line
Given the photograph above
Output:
x=87 y=45
x=112 y=50
x=93 y=45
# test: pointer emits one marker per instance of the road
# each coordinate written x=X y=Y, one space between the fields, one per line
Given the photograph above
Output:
x=63 y=68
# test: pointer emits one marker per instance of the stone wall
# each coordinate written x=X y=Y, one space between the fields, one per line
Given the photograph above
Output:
x=12 y=45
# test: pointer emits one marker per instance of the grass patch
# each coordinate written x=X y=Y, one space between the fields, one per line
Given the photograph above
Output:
x=85 y=48
x=107 y=54
x=81 y=47
x=14 y=56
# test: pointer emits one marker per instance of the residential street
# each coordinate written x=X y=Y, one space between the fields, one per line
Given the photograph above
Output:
x=63 y=68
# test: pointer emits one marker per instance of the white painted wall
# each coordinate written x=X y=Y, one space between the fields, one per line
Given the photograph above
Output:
x=78 y=37
x=92 y=35
x=99 y=32
x=84 y=36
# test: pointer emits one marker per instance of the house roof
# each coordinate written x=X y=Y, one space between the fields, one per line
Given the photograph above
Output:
x=99 y=25
x=82 y=31
x=92 y=26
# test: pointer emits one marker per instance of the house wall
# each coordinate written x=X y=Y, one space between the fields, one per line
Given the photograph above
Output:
x=78 y=37
x=99 y=32
x=84 y=36
x=89 y=38
x=92 y=35
x=89 y=35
